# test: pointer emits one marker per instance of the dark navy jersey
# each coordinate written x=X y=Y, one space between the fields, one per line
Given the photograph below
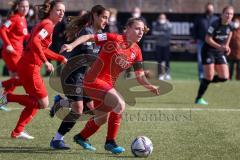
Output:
x=75 y=57
x=85 y=48
x=219 y=33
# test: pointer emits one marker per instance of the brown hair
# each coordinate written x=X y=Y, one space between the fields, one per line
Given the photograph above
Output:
x=45 y=9
x=227 y=7
x=77 y=23
x=14 y=7
x=133 y=20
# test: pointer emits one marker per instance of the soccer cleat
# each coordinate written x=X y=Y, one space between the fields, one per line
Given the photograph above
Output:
x=58 y=144
x=4 y=108
x=161 y=77
x=201 y=101
x=3 y=99
x=167 y=77
x=22 y=135
x=84 y=143
x=56 y=105
x=114 y=148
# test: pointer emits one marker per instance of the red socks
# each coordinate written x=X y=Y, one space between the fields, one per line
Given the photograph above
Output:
x=30 y=110
x=114 y=121
x=26 y=116
x=90 y=128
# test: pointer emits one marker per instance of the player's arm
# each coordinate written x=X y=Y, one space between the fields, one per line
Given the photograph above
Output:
x=54 y=56
x=4 y=35
x=228 y=49
x=78 y=41
x=141 y=78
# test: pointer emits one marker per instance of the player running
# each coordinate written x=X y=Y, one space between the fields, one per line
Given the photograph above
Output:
x=118 y=53
x=35 y=54
x=214 y=52
x=91 y=23
x=13 y=33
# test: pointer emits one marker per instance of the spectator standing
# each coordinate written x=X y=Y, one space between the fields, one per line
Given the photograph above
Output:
x=234 y=57
x=199 y=32
x=162 y=29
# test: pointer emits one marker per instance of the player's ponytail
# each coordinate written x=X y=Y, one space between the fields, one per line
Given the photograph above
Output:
x=45 y=9
x=77 y=23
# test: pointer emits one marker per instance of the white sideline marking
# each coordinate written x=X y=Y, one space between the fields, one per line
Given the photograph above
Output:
x=166 y=109
x=186 y=109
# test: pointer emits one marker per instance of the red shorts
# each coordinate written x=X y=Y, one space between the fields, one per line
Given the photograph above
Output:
x=29 y=75
x=97 y=91
x=11 y=59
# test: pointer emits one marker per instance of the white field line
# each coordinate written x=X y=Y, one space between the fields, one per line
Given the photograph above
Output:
x=166 y=109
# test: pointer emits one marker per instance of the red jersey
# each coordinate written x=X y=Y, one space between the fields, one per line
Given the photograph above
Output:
x=37 y=50
x=116 y=55
x=14 y=31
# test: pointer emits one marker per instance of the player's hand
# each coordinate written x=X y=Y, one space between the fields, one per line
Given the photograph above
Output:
x=10 y=49
x=49 y=66
x=155 y=90
x=67 y=48
x=228 y=50
x=64 y=61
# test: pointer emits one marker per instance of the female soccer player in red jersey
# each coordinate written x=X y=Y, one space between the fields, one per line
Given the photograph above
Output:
x=35 y=54
x=13 y=33
x=118 y=53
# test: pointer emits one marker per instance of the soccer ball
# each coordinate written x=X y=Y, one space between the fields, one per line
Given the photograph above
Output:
x=142 y=146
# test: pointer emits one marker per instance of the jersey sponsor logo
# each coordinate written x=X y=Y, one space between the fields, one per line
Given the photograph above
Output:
x=123 y=63
x=7 y=23
x=43 y=33
x=25 y=32
x=221 y=37
x=102 y=37
x=210 y=29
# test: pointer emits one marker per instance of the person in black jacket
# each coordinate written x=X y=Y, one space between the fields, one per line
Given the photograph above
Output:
x=199 y=32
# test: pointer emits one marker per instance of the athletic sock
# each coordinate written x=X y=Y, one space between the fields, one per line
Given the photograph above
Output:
x=90 y=128
x=202 y=88
x=217 y=79
x=114 y=121
x=26 y=116
x=68 y=122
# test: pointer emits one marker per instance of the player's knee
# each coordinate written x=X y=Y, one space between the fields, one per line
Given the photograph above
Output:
x=43 y=104
x=120 y=107
x=77 y=107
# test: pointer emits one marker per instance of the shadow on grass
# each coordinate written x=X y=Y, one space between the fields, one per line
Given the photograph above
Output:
x=34 y=150
x=114 y=155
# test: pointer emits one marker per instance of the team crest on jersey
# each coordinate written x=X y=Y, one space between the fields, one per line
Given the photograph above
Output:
x=25 y=32
x=133 y=55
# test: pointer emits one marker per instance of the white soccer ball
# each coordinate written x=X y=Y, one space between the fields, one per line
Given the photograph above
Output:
x=142 y=146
